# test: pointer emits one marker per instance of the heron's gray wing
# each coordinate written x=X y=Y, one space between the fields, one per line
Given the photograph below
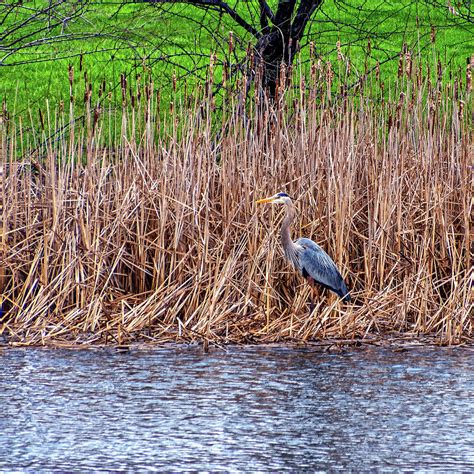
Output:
x=317 y=264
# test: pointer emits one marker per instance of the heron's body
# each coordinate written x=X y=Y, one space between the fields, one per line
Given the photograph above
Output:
x=314 y=263
x=306 y=256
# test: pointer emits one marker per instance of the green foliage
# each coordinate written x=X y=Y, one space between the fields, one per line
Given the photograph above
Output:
x=102 y=40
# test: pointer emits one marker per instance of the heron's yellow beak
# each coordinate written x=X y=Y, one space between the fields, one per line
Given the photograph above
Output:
x=261 y=201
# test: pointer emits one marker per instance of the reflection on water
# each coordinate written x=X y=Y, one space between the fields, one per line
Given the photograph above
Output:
x=246 y=409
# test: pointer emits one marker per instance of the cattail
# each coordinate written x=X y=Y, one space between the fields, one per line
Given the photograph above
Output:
x=340 y=57
x=408 y=63
x=102 y=88
x=252 y=60
x=432 y=108
x=71 y=74
x=433 y=34
x=329 y=72
x=329 y=78
x=123 y=86
x=212 y=63
x=302 y=86
x=96 y=117
x=460 y=110
x=470 y=62
x=401 y=100
x=71 y=83
x=451 y=9
x=400 y=65
x=231 y=42
x=87 y=93
x=225 y=73
x=419 y=75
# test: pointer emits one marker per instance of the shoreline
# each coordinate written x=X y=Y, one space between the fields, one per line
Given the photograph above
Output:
x=399 y=342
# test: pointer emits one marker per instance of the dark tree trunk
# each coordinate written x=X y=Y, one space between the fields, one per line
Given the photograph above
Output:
x=279 y=43
x=277 y=36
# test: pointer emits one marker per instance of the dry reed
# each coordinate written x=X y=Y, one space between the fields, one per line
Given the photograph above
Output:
x=130 y=227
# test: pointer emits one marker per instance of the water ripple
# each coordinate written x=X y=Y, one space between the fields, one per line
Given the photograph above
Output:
x=247 y=409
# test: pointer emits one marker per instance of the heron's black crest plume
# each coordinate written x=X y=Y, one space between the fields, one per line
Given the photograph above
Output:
x=282 y=195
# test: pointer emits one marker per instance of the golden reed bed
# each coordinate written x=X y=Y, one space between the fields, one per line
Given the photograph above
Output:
x=126 y=227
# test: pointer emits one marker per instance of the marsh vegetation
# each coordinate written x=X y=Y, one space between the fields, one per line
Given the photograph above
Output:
x=138 y=222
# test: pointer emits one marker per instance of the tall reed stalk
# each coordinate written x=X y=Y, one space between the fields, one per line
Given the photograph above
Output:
x=137 y=223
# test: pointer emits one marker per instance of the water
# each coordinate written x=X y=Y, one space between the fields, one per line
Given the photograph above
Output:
x=247 y=409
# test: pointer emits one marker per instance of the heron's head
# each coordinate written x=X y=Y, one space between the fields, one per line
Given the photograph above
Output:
x=278 y=198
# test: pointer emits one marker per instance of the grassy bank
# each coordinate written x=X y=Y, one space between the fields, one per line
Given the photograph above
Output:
x=104 y=40
x=127 y=227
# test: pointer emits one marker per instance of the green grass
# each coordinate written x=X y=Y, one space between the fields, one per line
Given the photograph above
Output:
x=137 y=38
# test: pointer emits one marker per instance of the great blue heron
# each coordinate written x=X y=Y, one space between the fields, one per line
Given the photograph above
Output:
x=307 y=256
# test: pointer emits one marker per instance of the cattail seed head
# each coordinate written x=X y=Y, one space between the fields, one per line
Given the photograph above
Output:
x=340 y=57
x=408 y=63
x=231 y=42
x=400 y=65
x=470 y=62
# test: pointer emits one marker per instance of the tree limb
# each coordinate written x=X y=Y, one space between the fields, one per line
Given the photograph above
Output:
x=265 y=14
x=218 y=4
x=303 y=15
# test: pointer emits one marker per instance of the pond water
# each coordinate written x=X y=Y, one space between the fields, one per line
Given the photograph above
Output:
x=244 y=409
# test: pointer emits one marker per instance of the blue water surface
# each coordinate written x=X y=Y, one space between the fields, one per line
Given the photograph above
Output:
x=243 y=409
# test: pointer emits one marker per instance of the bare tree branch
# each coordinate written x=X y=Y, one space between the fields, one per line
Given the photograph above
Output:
x=215 y=4
x=266 y=13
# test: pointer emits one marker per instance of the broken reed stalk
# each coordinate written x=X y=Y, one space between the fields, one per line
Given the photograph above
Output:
x=133 y=227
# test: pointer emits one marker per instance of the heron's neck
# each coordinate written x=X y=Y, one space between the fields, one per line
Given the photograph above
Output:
x=286 y=241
